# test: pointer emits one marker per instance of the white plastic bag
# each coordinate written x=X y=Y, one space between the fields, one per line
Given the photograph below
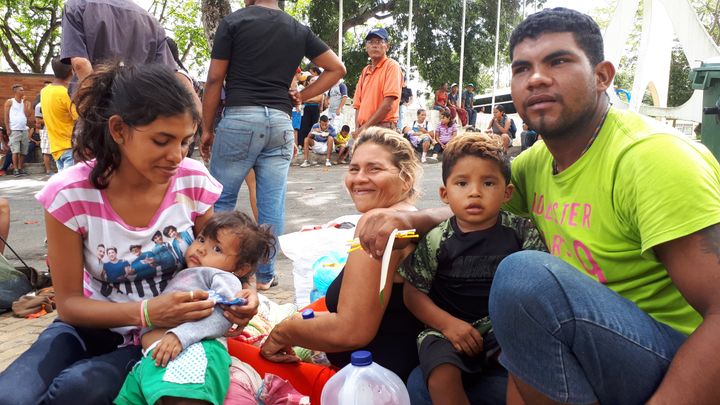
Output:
x=305 y=247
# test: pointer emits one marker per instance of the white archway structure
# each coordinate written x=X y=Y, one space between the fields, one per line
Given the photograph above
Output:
x=661 y=19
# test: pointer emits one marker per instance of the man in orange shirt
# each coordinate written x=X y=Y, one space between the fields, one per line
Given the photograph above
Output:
x=377 y=95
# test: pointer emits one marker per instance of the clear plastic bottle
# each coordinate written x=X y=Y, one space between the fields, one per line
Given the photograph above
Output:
x=363 y=383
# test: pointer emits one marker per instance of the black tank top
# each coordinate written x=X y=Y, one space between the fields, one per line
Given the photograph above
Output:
x=394 y=346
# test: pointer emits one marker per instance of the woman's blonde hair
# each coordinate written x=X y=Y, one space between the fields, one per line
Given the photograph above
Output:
x=402 y=152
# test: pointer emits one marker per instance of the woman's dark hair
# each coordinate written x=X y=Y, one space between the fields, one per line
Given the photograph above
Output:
x=139 y=95
x=500 y=108
x=256 y=243
x=554 y=20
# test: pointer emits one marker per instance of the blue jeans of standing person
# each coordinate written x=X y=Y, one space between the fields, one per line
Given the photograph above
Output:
x=65 y=160
x=69 y=365
x=486 y=388
x=572 y=338
x=259 y=138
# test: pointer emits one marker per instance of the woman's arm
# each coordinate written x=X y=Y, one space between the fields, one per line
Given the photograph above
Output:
x=505 y=129
x=65 y=255
x=356 y=321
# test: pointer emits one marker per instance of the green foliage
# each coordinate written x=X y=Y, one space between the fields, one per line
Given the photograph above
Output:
x=181 y=20
x=29 y=33
x=679 y=90
x=436 y=26
x=709 y=14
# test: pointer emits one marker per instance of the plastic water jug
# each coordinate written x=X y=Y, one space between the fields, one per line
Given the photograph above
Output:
x=363 y=382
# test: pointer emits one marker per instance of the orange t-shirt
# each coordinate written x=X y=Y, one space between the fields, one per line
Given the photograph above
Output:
x=385 y=80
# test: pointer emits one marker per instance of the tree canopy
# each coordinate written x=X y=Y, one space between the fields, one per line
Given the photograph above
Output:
x=29 y=33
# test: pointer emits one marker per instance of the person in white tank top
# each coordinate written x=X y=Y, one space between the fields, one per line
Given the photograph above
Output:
x=17 y=112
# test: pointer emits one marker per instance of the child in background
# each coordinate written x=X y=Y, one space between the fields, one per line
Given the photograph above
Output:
x=446 y=131
x=341 y=143
x=44 y=140
x=448 y=277
x=421 y=143
x=187 y=361
x=421 y=126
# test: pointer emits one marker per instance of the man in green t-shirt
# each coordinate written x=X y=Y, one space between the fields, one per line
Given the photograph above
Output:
x=625 y=307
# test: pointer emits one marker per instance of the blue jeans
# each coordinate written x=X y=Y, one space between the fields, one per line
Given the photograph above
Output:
x=486 y=388
x=69 y=365
x=472 y=116
x=259 y=138
x=65 y=160
x=572 y=338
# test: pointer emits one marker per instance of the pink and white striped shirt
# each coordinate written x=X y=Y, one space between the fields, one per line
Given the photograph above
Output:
x=122 y=262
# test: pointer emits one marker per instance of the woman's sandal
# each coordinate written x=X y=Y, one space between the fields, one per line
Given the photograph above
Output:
x=267 y=286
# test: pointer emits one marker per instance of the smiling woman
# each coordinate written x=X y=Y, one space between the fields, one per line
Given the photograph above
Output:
x=382 y=174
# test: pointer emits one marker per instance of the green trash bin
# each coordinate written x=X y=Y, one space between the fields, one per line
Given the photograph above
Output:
x=707 y=78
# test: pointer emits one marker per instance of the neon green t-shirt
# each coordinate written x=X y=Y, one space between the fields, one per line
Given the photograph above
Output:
x=639 y=185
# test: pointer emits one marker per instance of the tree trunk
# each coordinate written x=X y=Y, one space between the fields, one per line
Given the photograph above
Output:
x=212 y=12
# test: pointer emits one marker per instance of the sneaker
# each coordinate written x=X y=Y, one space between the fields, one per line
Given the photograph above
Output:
x=423 y=159
x=432 y=159
x=23 y=172
x=305 y=163
x=16 y=173
x=328 y=163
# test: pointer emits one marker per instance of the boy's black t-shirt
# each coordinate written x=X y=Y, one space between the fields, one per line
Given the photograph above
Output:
x=264 y=47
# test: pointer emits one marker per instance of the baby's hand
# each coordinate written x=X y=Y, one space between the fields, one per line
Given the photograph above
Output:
x=464 y=337
x=168 y=349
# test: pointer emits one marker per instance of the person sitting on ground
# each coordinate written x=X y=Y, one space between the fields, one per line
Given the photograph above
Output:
x=528 y=137
x=446 y=131
x=226 y=251
x=448 y=277
x=133 y=152
x=320 y=140
x=421 y=125
x=382 y=174
x=624 y=309
x=500 y=125
x=422 y=143
x=342 y=142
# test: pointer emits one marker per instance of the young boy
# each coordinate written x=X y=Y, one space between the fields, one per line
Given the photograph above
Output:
x=422 y=143
x=187 y=361
x=450 y=273
x=321 y=140
x=342 y=144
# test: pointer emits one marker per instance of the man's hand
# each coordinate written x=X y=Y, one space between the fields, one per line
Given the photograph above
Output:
x=206 y=142
x=375 y=227
x=167 y=350
x=240 y=315
x=463 y=337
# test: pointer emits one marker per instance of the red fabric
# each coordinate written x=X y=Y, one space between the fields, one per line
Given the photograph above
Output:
x=463 y=116
x=308 y=379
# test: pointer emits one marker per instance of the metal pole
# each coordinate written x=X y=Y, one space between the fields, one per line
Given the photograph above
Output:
x=495 y=69
x=409 y=38
x=462 y=49
x=340 y=31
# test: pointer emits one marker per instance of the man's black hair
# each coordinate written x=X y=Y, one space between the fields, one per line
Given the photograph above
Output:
x=555 y=20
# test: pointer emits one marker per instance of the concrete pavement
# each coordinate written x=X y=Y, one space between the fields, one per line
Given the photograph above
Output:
x=315 y=195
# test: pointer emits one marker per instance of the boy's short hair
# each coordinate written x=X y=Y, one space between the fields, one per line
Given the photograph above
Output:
x=478 y=145
x=60 y=70
x=324 y=118
x=345 y=128
x=256 y=242
x=16 y=86
x=420 y=110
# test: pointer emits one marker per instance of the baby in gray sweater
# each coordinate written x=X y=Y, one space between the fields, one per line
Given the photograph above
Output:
x=187 y=361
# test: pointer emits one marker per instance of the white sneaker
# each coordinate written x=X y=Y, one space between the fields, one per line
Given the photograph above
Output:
x=433 y=159
x=305 y=163
x=328 y=163
x=423 y=159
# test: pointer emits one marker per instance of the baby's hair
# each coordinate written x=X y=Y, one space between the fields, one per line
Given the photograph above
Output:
x=478 y=145
x=256 y=242
x=402 y=152
x=139 y=95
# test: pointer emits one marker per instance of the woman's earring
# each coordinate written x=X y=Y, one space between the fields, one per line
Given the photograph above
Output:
x=120 y=141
